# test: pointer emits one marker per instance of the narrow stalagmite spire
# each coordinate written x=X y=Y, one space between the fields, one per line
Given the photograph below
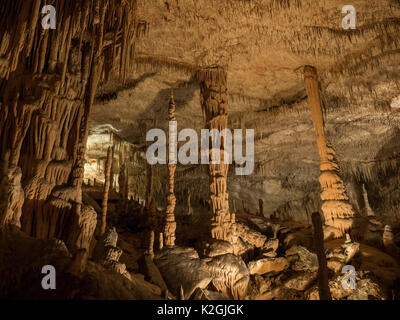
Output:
x=170 y=224
x=261 y=207
x=107 y=174
x=337 y=210
x=189 y=203
x=214 y=103
x=323 y=275
x=150 y=178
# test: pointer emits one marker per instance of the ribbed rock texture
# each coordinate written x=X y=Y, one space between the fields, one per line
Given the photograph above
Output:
x=48 y=81
x=337 y=210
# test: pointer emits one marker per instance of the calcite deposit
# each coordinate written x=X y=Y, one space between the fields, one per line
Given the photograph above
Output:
x=312 y=107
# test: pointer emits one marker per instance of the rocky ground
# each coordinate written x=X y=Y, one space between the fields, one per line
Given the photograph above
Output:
x=271 y=260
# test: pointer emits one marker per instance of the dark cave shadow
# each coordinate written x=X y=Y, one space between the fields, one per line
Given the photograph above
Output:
x=383 y=191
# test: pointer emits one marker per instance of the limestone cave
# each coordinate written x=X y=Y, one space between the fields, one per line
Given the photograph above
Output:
x=199 y=150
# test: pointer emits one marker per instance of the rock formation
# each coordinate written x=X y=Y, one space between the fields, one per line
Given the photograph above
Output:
x=214 y=103
x=107 y=173
x=337 y=210
x=170 y=224
x=323 y=276
x=77 y=192
x=49 y=80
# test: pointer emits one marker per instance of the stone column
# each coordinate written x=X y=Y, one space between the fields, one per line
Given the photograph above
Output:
x=170 y=224
x=323 y=272
x=261 y=207
x=337 y=210
x=107 y=174
x=214 y=103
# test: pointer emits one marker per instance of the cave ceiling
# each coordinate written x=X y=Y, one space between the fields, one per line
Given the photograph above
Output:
x=264 y=44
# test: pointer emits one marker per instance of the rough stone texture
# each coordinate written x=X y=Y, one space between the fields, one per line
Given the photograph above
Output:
x=22 y=258
x=181 y=267
x=267 y=265
x=214 y=103
x=337 y=210
x=301 y=281
x=48 y=83
x=230 y=275
x=11 y=204
x=218 y=248
x=107 y=253
x=304 y=260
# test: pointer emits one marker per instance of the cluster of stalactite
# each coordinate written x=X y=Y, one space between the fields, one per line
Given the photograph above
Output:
x=48 y=80
x=170 y=224
x=337 y=210
x=214 y=103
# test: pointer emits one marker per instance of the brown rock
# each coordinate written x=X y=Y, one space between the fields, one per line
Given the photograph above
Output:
x=301 y=281
x=266 y=265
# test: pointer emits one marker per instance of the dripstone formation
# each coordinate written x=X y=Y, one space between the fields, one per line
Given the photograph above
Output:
x=319 y=209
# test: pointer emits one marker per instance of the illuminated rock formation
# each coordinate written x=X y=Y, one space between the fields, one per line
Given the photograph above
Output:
x=336 y=208
x=12 y=194
x=170 y=224
x=48 y=82
x=107 y=173
x=214 y=103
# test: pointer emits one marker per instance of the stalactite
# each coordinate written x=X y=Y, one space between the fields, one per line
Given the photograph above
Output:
x=323 y=276
x=48 y=81
x=107 y=171
x=336 y=208
x=213 y=99
x=170 y=224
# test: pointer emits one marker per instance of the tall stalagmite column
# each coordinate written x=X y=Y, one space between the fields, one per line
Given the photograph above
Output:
x=107 y=174
x=214 y=102
x=170 y=224
x=338 y=212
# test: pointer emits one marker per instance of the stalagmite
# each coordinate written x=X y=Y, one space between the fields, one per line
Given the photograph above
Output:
x=389 y=242
x=261 y=207
x=323 y=276
x=150 y=248
x=190 y=209
x=126 y=191
x=337 y=210
x=149 y=188
x=214 y=103
x=170 y=224
x=107 y=171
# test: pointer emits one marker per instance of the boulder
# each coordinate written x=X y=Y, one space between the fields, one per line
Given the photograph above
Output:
x=182 y=267
x=230 y=275
x=301 y=281
x=219 y=247
x=250 y=236
x=267 y=265
x=303 y=259
x=151 y=272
